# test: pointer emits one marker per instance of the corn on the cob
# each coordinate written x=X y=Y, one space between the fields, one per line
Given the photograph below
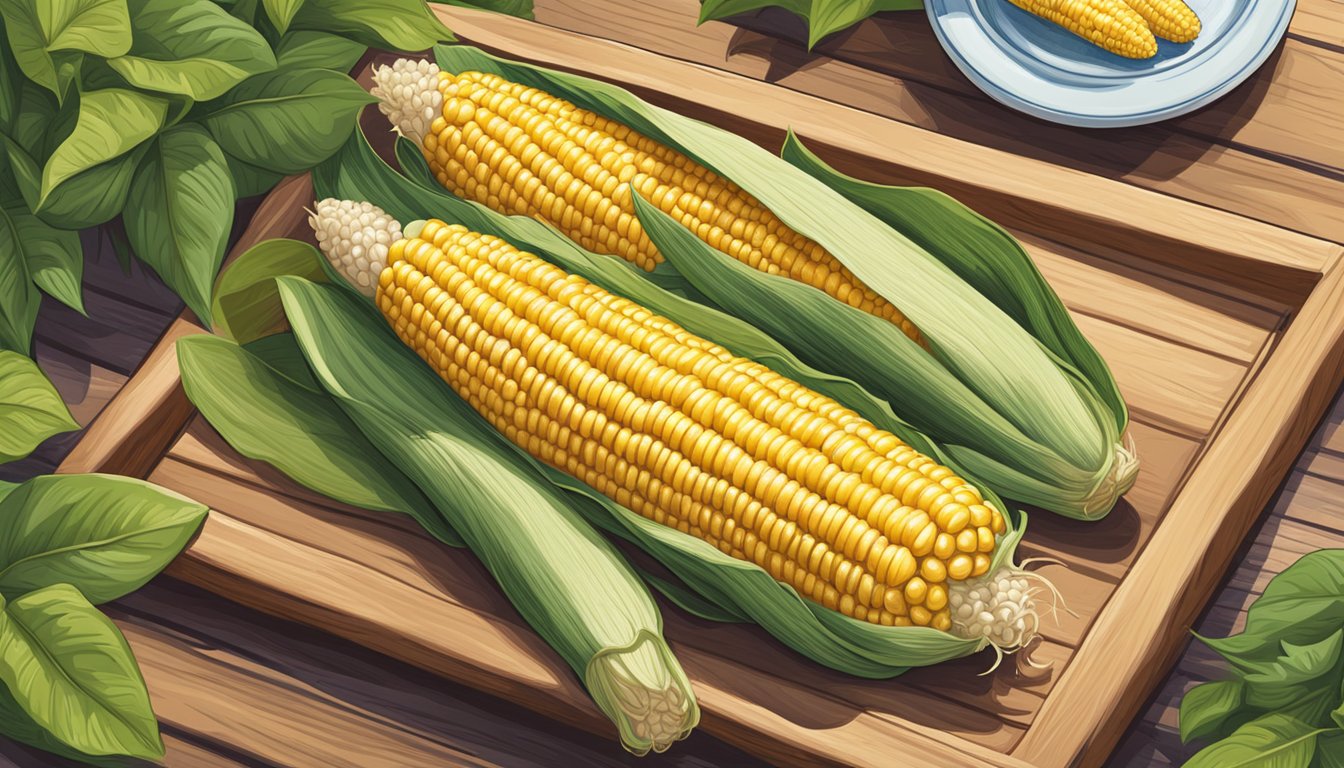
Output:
x=679 y=430
x=1168 y=19
x=518 y=150
x=1111 y=24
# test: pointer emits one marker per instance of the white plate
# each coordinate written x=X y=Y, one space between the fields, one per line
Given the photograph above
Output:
x=1040 y=68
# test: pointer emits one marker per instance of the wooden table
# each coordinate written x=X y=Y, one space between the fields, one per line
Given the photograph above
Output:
x=235 y=687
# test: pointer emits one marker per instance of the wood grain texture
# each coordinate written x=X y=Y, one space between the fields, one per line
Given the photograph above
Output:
x=892 y=66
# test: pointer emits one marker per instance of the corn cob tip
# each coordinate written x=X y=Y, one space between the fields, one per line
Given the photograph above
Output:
x=408 y=95
x=1117 y=482
x=998 y=607
x=355 y=238
x=644 y=691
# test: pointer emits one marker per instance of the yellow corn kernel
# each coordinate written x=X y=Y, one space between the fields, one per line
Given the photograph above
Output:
x=521 y=151
x=1111 y=24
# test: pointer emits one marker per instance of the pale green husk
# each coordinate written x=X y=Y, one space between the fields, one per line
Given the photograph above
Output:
x=1008 y=407
x=569 y=583
x=733 y=589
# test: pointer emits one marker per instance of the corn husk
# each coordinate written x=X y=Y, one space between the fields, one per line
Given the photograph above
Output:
x=1011 y=410
x=338 y=407
x=712 y=584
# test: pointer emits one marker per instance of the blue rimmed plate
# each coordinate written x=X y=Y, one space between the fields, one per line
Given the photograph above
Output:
x=1039 y=68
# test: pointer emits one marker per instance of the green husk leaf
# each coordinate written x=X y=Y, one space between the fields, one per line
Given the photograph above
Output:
x=266 y=414
x=400 y=25
x=1027 y=425
x=977 y=250
x=567 y=581
x=245 y=305
x=735 y=587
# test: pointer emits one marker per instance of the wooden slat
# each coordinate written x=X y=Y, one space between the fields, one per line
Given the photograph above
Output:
x=1165 y=383
x=1151 y=304
x=1152 y=157
x=1131 y=644
x=1068 y=206
x=140 y=422
x=1320 y=22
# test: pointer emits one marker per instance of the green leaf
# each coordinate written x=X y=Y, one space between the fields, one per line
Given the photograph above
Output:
x=39 y=29
x=520 y=8
x=192 y=48
x=72 y=672
x=1271 y=741
x=54 y=257
x=1330 y=750
x=281 y=12
x=302 y=49
x=402 y=25
x=250 y=180
x=823 y=17
x=246 y=306
x=288 y=121
x=95 y=196
x=34 y=125
x=1301 y=605
x=107 y=535
x=17 y=725
x=11 y=80
x=111 y=123
x=180 y=211
x=18 y=295
x=1294 y=675
x=31 y=410
x=1206 y=707
x=271 y=417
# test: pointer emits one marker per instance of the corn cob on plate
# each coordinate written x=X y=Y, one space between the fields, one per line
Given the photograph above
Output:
x=527 y=141
x=1066 y=60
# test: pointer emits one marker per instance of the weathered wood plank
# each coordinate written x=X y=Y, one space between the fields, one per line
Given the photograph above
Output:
x=1153 y=157
x=1320 y=22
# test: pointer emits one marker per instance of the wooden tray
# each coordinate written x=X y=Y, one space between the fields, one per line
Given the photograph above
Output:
x=1223 y=333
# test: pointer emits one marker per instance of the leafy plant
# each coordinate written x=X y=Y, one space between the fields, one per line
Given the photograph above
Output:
x=30 y=408
x=823 y=17
x=1284 y=704
x=162 y=113
x=68 y=680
